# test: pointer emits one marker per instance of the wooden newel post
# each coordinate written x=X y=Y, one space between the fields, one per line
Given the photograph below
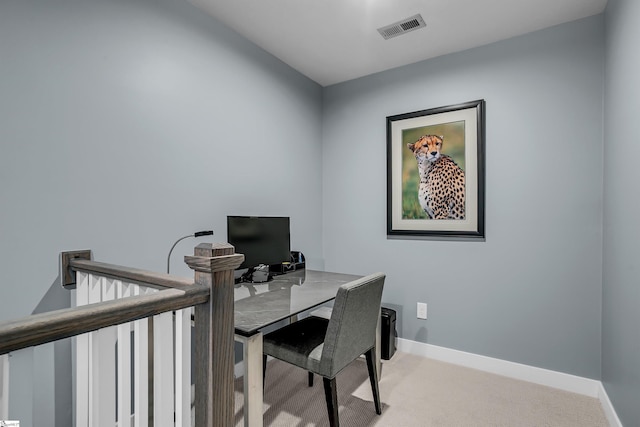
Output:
x=214 y=359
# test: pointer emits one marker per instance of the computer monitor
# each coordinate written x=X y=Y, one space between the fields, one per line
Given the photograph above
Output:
x=262 y=239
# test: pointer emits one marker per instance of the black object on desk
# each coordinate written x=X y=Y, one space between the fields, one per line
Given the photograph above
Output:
x=297 y=262
x=388 y=333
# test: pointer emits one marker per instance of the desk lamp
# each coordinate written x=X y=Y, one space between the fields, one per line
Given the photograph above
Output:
x=196 y=234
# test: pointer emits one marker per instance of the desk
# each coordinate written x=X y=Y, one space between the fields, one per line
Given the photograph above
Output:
x=258 y=305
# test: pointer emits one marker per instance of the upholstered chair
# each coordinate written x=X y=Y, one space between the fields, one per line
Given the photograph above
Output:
x=325 y=346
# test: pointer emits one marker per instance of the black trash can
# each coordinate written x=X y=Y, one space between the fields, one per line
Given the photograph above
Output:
x=388 y=332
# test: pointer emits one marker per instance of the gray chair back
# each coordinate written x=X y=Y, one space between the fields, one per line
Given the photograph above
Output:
x=352 y=327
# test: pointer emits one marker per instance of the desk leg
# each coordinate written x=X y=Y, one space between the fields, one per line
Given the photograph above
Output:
x=252 y=377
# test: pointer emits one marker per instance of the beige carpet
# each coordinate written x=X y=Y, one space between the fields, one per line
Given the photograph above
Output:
x=420 y=392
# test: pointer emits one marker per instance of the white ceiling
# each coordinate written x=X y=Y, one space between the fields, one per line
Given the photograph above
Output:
x=331 y=41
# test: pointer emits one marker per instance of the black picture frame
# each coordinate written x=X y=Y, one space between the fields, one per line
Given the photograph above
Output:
x=409 y=213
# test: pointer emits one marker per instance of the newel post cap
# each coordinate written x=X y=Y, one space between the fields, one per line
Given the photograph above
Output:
x=214 y=257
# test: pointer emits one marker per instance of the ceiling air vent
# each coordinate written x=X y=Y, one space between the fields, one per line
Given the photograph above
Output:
x=401 y=27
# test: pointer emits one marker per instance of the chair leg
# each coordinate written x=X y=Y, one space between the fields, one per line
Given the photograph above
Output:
x=310 y=379
x=373 y=378
x=331 y=395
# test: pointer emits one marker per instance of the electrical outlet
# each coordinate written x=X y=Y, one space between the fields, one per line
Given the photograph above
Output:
x=422 y=310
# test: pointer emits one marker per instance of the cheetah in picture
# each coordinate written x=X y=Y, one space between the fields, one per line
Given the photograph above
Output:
x=441 y=191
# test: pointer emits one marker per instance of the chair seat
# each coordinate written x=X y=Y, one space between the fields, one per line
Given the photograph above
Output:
x=299 y=343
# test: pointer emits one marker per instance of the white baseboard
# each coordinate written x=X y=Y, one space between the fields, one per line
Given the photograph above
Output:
x=608 y=408
x=559 y=380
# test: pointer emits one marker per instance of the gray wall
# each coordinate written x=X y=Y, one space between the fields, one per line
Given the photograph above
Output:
x=620 y=314
x=128 y=124
x=531 y=293
x=125 y=125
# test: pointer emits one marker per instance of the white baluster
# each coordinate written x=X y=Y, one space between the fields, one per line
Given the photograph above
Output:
x=104 y=368
x=140 y=366
x=123 y=290
x=4 y=387
x=95 y=296
x=183 y=368
x=82 y=356
x=163 y=387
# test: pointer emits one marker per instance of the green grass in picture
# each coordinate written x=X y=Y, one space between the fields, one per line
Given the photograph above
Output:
x=411 y=208
x=453 y=147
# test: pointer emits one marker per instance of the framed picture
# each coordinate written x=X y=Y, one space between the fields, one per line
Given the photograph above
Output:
x=435 y=172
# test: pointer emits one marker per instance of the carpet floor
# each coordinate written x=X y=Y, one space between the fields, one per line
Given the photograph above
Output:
x=420 y=392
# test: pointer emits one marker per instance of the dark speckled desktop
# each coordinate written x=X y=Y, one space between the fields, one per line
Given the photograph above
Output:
x=258 y=305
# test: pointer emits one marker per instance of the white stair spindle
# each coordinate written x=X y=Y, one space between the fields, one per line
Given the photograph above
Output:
x=104 y=370
x=183 y=368
x=163 y=387
x=123 y=290
x=4 y=387
x=140 y=367
x=82 y=356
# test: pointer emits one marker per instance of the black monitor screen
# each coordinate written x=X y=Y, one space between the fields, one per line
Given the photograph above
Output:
x=262 y=239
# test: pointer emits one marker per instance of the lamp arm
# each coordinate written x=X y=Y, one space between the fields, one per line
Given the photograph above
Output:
x=171 y=250
x=196 y=234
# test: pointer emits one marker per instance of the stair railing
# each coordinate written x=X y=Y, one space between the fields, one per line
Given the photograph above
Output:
x=120 y=310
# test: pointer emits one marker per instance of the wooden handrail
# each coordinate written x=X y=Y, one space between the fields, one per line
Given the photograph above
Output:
x=150 y=279
x=51 y=326
x=177 y=293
